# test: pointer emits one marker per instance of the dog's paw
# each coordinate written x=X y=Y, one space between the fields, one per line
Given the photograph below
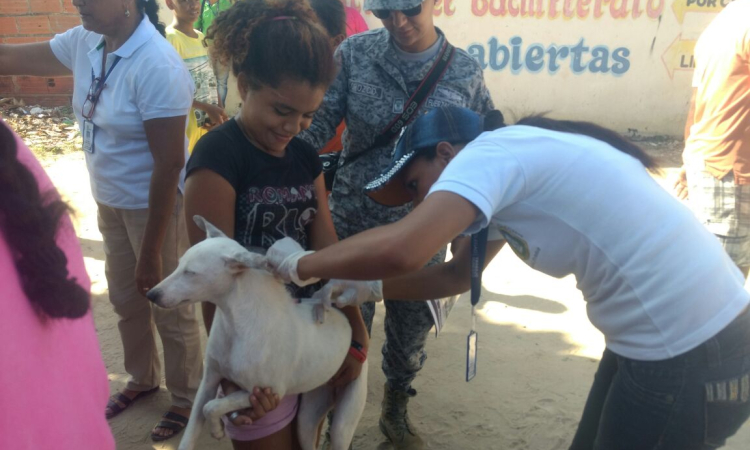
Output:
x=319 y=313
x=217 y=432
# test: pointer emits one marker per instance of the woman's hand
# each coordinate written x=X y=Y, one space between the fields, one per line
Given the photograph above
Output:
x=344 y=293
x=348 y=372
x=148 y=272
x=263 y=401
x=282 y=258
x=680 y=185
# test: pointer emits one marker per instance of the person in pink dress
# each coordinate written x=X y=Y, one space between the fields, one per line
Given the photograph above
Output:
x=50 y=354
x=355 y=23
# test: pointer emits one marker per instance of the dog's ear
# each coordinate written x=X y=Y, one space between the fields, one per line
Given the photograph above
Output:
x=205 y=225
x=241 y=261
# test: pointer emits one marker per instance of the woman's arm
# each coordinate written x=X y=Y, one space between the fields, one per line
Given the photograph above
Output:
x=323 y=234
x=169 y=158
x=680 y=184
x=441 y=280
x=35 y=59
x=393 y=250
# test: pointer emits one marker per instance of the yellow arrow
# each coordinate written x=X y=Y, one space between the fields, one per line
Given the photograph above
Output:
x=681 y=7
x=679 y=55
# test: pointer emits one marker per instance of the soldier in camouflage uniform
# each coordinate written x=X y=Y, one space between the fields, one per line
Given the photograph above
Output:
x=380 y=69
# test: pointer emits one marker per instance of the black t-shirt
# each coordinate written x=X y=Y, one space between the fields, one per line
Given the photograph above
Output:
x=275 y=196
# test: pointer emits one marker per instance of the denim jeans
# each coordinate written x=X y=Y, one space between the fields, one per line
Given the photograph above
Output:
x=222 y=80
x=692 y=401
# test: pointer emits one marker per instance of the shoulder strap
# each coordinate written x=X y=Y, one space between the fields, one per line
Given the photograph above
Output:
x=478 y=254
x=414 y=103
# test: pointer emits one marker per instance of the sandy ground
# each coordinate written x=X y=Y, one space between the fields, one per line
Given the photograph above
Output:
x=537 y=357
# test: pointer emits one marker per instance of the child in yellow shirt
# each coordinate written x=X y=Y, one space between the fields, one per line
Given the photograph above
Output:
x=189 y=44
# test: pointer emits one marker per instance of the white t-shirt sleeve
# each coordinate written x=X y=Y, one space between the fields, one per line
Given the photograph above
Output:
x=65 y=45
x=165 y=91
x=485 y=174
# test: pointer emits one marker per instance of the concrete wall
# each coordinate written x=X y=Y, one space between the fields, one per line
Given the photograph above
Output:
x=623 y=63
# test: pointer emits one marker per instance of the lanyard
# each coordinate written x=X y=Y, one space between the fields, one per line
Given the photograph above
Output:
x=97 y=85
x=103 y=76
x=478 y=253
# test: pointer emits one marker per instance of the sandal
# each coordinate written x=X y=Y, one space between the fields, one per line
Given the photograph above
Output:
x=113 y=405
x=175 y=422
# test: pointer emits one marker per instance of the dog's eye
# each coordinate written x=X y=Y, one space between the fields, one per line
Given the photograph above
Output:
x=189 y=272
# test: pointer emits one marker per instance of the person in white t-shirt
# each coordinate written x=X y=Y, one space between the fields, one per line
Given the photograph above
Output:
x=569 y=198
x=131 y=96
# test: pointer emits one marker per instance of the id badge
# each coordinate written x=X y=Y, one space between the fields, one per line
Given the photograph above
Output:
x=88 y=136
x=471 y=356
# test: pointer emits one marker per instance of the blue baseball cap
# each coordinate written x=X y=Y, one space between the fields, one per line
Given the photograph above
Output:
x=450 y=124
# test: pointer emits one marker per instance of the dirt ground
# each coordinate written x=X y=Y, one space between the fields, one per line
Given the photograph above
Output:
x=537 y=352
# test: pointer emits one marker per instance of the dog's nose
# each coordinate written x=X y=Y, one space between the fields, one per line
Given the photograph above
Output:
x=154 y=295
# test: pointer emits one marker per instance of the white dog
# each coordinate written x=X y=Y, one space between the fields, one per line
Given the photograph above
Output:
x=262 y=337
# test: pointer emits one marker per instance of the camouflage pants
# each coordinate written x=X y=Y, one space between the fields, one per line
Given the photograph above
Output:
x=406 y=324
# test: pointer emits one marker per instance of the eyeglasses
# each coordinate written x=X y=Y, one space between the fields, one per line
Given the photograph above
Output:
x=383 y=14
x=89 y=105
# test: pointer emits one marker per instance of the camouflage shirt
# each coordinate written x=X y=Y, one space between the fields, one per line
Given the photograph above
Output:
x=369 y=92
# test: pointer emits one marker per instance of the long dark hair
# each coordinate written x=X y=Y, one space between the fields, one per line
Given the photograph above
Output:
x=595 y=131
x=151 y=9
x=29 y=223
x=272 y=41
x=494 y=120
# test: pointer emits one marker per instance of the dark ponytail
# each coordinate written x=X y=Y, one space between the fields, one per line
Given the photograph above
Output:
x=595 y=131
x=151 y=9
x=332 y=16
x=29 y=224
x=493 y=120
x=269 y=41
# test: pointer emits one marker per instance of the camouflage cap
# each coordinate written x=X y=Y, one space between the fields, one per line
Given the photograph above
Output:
x=397 y=5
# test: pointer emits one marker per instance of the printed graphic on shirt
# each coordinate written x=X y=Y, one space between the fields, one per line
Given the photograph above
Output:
x=518 y=244
x=271 y=212
x=205 y=84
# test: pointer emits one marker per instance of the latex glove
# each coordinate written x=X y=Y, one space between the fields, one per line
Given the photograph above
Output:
x=282 y=258
x=351 y=293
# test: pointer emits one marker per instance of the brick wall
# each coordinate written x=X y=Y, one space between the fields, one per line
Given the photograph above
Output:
x=23 y=21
